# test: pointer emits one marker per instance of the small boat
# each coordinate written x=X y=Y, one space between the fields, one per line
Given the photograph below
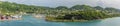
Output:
x=16 y=16
x=1 y=18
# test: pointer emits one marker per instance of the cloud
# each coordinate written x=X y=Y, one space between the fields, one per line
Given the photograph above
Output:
x=69 y=3
x=112 y=3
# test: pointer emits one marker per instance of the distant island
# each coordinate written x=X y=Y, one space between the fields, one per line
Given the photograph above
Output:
x=61 y=13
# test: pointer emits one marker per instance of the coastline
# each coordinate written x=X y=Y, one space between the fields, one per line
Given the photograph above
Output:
x=54 y=20
x=50 y=19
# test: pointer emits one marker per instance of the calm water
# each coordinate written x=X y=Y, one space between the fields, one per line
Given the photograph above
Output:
x=29 y=20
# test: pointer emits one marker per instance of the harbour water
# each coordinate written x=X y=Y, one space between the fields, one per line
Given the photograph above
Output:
x=29 y=20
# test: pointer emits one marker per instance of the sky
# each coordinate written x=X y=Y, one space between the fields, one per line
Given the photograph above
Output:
x=69 y=3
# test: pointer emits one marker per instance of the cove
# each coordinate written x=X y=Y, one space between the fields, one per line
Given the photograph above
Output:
x=29 y=20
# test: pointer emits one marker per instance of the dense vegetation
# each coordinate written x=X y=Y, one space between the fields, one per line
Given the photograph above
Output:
x=7 y=7
x=77 y=12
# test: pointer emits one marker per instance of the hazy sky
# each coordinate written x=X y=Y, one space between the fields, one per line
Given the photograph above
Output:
x=69 y=3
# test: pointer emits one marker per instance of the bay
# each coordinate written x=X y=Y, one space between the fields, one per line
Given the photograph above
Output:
x=29 y=20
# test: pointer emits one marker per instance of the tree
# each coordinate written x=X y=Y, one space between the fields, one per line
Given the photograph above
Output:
x=81 y=7
x=98 y=8
x=61 y=7
x=110 y=9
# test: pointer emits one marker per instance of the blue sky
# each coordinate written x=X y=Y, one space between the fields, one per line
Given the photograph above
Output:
x=69 y=3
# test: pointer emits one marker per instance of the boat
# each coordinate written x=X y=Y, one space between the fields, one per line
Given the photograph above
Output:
x=16 y=16
x=13 y=17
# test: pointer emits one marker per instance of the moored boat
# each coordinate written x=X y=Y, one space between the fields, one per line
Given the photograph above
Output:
x=10 y=17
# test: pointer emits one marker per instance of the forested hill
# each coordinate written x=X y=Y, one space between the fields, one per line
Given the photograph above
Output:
x=7 y=7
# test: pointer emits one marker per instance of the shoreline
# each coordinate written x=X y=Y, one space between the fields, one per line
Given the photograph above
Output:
x=62 y=20
x=51 y=20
